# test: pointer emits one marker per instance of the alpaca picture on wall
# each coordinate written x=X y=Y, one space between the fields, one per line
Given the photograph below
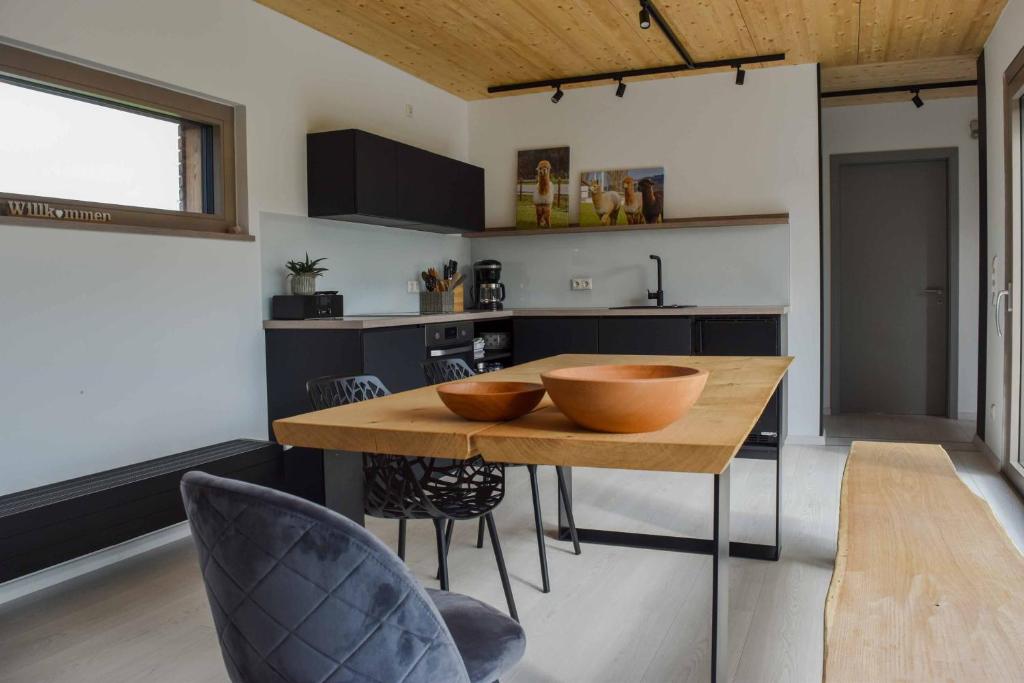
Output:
x=632 y=196
x=542 y=188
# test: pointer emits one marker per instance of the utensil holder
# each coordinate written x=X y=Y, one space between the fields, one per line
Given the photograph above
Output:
x=437 y=302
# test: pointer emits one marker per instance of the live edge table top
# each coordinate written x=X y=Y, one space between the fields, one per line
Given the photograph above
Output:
x=416 y=423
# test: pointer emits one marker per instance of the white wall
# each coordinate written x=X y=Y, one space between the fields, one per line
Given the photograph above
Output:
x=369 y=264
x=1000 y=49
x=901 y=126
x=726 y=150
x=119 y=348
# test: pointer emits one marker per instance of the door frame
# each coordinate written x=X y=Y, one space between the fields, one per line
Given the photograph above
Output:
x=1013 y=84
x=950 y=155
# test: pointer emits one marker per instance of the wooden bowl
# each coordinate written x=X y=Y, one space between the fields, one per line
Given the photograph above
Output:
x=491 y=401
x=625 y=399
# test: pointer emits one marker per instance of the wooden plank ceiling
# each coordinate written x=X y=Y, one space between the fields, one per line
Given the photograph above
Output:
x=464 y=47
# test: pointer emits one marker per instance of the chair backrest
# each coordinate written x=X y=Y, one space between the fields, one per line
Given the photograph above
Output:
x=299 y=593
x=445 y=370
x=328 y=392
x=398 y=487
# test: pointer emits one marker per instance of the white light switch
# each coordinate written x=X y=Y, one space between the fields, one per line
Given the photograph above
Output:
x=412 y=286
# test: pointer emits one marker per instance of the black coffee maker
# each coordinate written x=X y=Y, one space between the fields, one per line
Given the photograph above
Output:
x=488 y=291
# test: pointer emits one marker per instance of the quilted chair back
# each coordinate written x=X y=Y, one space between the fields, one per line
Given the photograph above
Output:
x=446 y=370
x=299 y=593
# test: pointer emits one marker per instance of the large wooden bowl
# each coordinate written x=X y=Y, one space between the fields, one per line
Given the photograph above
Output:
x=625 y=398
x=491 y=401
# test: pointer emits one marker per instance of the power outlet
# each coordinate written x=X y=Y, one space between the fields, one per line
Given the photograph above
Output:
x=412 y=286
x=579 y=284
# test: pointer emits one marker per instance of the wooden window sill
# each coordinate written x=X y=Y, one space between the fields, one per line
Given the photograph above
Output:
x=131 y=229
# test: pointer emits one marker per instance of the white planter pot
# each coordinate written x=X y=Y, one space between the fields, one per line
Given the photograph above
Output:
x=303 y=284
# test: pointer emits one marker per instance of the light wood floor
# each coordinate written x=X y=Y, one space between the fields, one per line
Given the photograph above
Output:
x=613 y=614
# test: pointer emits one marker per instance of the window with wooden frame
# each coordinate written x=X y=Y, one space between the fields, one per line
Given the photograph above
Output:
x=85 y=148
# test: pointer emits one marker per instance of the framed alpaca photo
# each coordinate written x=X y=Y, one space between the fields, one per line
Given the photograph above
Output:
x=542 y=188
x=631 y=196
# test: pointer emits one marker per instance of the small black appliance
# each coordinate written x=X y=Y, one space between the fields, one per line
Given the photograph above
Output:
x=305 y=306
x=488 y=290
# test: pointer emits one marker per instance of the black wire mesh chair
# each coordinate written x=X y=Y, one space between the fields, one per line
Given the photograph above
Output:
x=397 y=487
x=450 y=369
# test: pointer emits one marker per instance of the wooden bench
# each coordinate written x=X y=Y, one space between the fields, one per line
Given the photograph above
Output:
x=927 y=585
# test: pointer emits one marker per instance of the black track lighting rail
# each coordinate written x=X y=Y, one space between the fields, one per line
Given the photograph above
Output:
x=734 y=62
x=647 y=9
x=669 y=33
x=913 y=88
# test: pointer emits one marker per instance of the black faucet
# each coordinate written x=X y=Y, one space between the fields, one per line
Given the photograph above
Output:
x=660 y=294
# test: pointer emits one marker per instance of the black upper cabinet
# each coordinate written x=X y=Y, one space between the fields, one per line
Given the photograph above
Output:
x=375 y=158
x=360 y=177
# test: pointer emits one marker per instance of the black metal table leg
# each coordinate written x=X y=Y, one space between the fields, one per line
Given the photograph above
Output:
x=684 y=544
x=343 y=484
x=720 y=580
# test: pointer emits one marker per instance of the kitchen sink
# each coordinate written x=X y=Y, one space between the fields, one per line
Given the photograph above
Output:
x=646 y=306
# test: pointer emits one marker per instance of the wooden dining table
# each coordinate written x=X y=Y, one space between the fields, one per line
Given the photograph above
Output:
x=705 y=441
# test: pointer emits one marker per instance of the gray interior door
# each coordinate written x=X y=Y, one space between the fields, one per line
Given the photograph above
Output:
x=891 y=330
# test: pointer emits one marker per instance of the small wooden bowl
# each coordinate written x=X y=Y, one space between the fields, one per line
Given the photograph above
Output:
x=491 y=401
x=625 y=399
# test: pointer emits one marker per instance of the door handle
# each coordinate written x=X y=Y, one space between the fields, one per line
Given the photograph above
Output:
x=935 y=291
x=439 y=353
x=1001 y=296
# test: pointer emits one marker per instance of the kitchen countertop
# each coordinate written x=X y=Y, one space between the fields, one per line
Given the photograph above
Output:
x=357 y=322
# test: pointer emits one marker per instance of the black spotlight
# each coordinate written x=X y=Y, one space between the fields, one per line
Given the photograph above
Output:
x=645 y=16
x=621 y=90
x=741 y=75
x=916 y=99
x=558 y=94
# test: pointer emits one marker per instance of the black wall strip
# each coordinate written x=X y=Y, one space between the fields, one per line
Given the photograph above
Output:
x=51 y=524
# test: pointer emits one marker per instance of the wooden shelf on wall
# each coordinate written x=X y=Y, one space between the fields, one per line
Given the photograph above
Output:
x=674 y=224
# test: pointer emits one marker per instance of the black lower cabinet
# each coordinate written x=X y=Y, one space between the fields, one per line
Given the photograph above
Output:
x=535 y=338
x=296 y=356
x=746 y=336
x=394 y=354
x=646 y=335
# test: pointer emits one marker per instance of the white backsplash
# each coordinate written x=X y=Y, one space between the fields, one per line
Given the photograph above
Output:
x=703 y=266
x=368 y=264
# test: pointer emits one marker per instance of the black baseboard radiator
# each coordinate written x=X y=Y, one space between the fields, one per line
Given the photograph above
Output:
x=48 y=525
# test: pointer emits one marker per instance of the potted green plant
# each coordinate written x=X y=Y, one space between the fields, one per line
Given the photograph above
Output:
x=302 y=275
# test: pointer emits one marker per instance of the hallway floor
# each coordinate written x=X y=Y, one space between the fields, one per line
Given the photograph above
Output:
x=840 y=430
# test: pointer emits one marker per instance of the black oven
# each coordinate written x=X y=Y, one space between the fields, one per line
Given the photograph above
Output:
x=449 y=340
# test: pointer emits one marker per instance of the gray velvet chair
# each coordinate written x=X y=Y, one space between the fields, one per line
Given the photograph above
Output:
x=300 y=593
